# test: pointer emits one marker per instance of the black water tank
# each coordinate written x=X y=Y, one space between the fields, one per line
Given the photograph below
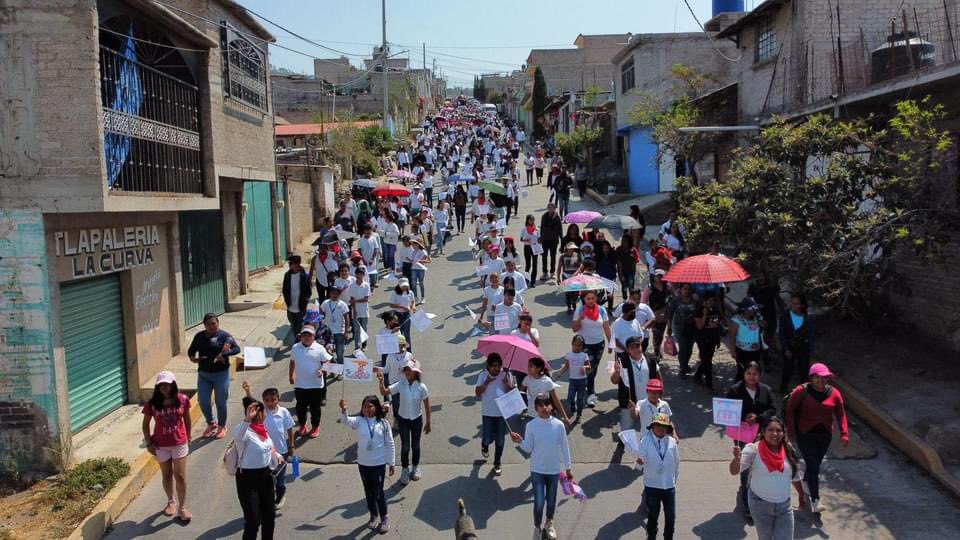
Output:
x=893 y=58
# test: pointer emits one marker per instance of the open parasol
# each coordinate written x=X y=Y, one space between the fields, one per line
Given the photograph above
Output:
x=706 y=269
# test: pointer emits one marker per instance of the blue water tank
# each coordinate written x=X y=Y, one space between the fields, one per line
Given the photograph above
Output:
x=727 y=6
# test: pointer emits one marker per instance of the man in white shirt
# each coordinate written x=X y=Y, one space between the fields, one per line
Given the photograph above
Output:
x=521 y=136
x=624 y=328
x=660 y=456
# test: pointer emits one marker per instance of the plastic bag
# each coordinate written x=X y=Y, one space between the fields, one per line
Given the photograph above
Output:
x=670 y=346
x=571 y=487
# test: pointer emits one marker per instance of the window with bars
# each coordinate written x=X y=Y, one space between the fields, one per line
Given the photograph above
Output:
x=627 y=80
x=766 y=40
x=244 y=69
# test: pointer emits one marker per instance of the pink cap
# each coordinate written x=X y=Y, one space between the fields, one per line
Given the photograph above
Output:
x=166 y=377
x=820 y=370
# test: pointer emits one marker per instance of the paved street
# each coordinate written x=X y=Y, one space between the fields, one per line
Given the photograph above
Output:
x=871 y=490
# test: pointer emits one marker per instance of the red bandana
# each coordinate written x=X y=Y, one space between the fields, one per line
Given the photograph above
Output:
x=260 y=430
x=773 y=461
x=592 y=313
x=531 y=229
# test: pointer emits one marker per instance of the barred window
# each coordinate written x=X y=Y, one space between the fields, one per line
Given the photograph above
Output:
x=627 y=81
x=766 y=40
x=244 y=70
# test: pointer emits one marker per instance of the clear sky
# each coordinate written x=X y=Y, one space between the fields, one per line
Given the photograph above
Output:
x=465 y=38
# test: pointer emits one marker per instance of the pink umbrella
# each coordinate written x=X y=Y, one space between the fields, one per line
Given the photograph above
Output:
x=400 y=174
x=582 y=217
x=514 y=350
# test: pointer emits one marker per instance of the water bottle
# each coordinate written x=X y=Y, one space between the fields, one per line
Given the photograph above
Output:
x=295 y=461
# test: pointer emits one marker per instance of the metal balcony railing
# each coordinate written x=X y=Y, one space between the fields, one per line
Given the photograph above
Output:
x=151 y=124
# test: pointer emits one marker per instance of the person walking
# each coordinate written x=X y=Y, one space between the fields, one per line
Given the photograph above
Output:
x=460 y=208
x=771 y=466
x=336 y=316
x=591 y=321
x=280 y=426
x=169 y=410
x=660 y=457
x=681 y=314
x=811 y=410
x=413 y=416
x=211 y=350
x=418 y=269
x=404 y=304
x=758 y=405
x=296 y=293
x=657 y=295
x=308 y=379
x=376 y=456
x=545 y=440
x=746 y=336
x=492 y=383
x=577 y=363
x=631 y=378
x=530 y=237
x=796 y=339
x=254 y=479
x=710 y=324
x=359 y=294
x=324 y=263
x=551 y=228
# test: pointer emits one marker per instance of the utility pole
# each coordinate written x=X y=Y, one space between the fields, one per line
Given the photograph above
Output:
x=383 y=63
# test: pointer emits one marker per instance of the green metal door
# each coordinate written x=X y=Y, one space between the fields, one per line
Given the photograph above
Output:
x=258 y=196
x=92 y=323
x=201 y=265
x=282 y=215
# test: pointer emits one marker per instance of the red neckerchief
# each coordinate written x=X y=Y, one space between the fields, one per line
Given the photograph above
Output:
x=260 y=430
x=773 y=460
x=323 y=256
x=531 y=229
x=592 y=313
x=481 y=200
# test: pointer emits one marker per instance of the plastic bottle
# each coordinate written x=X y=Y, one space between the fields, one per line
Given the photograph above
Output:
x=295 y=461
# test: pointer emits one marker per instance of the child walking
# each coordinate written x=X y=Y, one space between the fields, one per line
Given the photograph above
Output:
x=577 y=363
x=491 y=384
x=279 y=424
x=660 y=456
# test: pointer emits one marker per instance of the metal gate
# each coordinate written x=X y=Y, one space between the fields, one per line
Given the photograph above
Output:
x=201 y=265
x=282 y=212
x=258 y=196
x=91 y=317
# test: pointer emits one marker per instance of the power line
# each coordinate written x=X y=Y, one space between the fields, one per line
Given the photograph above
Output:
x=148 y=42
x=712 y=42
x=296 y=35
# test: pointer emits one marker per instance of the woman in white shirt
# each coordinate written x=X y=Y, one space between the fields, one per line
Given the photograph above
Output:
x=545 y=439
x=492 y=383
x=526 y=331
x=774 y=467
x=309 y=386
x=376 y=455
x=418 y=270
x=442 y=215
x=255 y=483
x=413 y=416
x=591 y=321
x=403 y=303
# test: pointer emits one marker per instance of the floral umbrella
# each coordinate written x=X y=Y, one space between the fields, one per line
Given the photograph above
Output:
x=582 y=217
x=401 y=174
x=587 y=282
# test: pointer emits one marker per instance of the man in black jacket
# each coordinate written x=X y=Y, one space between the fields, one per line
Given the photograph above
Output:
x=551 y=229
x=296 y=294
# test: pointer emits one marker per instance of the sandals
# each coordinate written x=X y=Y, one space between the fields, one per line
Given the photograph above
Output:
x=185 y=515
x=171 y=508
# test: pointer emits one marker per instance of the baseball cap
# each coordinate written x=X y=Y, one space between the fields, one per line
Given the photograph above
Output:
x=166 y=377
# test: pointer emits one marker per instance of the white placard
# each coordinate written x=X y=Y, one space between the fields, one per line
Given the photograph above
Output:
x=360 y=355
x=501 y=321
x=388 y=343
x=473 y=315
x=726 y=412
x=422 y=320
x=483 y=270
x=332 y=368
x=372 y=268
x=254 y=357
x=524 y=193
x=390 y=277
x=364 y=337
x=630 y=441
x=537 y=249
x=357 y=369
x=511 y=403
x=501 y=224
x=471 y=242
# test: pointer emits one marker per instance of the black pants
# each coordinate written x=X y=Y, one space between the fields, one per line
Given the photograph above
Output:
x=530 y=263
x=813 y=447
x=321 y=290
x=372 y=479
x=549 y=252
x=309 y=398
x=296 y=323
x=668 y=499
x=410 y=431
x=582 y=187
x=539 y=175
x=529 y=176
x=461 y=217
x=799 y=362
x=255 y=491
x=706 y=346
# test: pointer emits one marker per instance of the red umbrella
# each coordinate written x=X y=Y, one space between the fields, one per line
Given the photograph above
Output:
x=706 y=269
x=515 y=351
x=391 y=190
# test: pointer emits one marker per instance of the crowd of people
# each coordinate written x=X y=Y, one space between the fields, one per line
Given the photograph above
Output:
x=469 y=174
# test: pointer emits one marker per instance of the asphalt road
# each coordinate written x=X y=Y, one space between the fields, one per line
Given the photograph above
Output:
x=872 y=491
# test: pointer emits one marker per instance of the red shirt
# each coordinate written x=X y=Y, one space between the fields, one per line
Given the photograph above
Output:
x=815 y=413
x=169 y=429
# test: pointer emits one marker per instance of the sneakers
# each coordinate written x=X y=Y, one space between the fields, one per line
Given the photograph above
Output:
x=280 y=502
x=221 y=433
x=816 y=506
x=315 y=432
x=384 y=525
x=485 y=452
x=303 y=430
x=497 y=470
x=592 y=400
x=405 y=476
x=549 y=532
x=537 y=534
x=373 y=523
x=415 y=475
x=210 y=431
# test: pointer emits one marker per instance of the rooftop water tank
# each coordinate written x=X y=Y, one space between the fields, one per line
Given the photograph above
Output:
x=727 y=6
x=901 y=54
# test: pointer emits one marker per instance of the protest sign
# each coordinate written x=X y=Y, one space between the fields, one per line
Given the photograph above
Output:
x=511 y=403
x=332 y=368
x=254 y=357
x=356 y=369
x=537 y=249
x=388 y=343
x=422 y=320
x=726 y=412
x=631 y=440
x=745 y=433
x=501 y=321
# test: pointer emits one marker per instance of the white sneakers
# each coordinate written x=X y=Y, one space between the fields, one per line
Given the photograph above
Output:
x=415 y=475
x=405 y=476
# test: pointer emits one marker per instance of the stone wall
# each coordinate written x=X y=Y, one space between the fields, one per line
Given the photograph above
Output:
x=929 y=297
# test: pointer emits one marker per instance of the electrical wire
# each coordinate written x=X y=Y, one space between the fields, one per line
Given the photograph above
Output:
x=298 y=36
x=712 y=42
x=148 y=42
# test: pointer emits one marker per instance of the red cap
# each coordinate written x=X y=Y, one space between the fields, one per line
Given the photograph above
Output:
x=655 y=385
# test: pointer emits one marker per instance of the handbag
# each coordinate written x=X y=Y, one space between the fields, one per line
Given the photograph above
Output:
x=231 y=459
x=670 y=345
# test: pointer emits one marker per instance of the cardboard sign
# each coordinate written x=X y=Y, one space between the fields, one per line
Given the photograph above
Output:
x=254 y=357
x=388 y=343
x=726 y=412
x=332 y=368
x=745 y=433
x=537 y=249
x=356 y=369
x=511 y=403
x=501 y=321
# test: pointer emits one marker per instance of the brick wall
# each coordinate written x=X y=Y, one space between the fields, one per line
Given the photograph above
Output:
x=929 y=298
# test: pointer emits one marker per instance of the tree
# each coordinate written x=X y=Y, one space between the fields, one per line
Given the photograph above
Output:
x=682 y=110
x=481 y=91
x=828 y=204
x=539 y=103
x=494 y=97
x=579 y=146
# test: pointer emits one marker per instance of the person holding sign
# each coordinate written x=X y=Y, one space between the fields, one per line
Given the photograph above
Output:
x=491 y=384
x=660 y=456
x=413 y=407
x=492 y=295
x=376 y=455
x=630 y=379
x=403 y=303
x=591 y=321
x=545 y=440
x=308 y=380
x=771 y=465
x=758 y=405
x=257 y=459
x=506 y=315
x=538 y=383
x=393 y=372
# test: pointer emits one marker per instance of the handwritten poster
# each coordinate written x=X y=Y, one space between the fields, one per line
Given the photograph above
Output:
x=388 y=343
x=356 y=369
x=332 y=368
x=511 y=403
x=254 y=357
x=501 y=321
x=726 y=412
x=537 y=249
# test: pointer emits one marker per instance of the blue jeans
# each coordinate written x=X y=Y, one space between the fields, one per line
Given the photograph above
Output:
x=686 y=337
x=389 y=256
x=418 y=276
x=577 y=395
x=339 y=341
x=774 y=521
x=280 y=485
x=441 y=233
x=595 y=353
x=495 y=431
x=403 y=318
x=358 y=323
x=217 y=382
x=544 y=491
x=656 y=497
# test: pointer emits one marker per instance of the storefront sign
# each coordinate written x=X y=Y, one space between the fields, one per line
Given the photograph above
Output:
x=93 y=252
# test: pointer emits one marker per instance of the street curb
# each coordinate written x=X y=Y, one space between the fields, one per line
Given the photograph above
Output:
x=907 y=442
x=127 y=489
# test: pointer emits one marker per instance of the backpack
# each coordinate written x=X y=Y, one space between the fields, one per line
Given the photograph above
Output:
x=796 y=414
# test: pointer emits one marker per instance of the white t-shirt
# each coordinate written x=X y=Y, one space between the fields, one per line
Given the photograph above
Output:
x=526 y=337
x=577 y=361
x=308 y=361
x=361 y=291
x=403 y=299
x=294 y=306
x=335 y=315
x=344 y=285
x=648 y=410
x=535 y=387
x=528 y=238
x=277 y=423
x=391 y=233
x=411 y=397
x=592 y=331
x=415 y=258
x=488 y=405
x=774 y=486
x=623 y=330
x=493 y=296
x=368 y=248
x=513 y=313
x=395 y=363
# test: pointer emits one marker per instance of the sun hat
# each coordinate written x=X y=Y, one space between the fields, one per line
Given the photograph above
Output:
x=662 y=419
x=308 y=329
x=416 y=240
x=570 y=245
x=655 y=385
x=166 y=377
x=820 y=370
x=402 y=340
x=413 y=366
x=404 y=282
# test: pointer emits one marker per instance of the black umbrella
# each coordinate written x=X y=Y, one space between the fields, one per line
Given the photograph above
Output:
x=614 y=222
x=334 y=236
